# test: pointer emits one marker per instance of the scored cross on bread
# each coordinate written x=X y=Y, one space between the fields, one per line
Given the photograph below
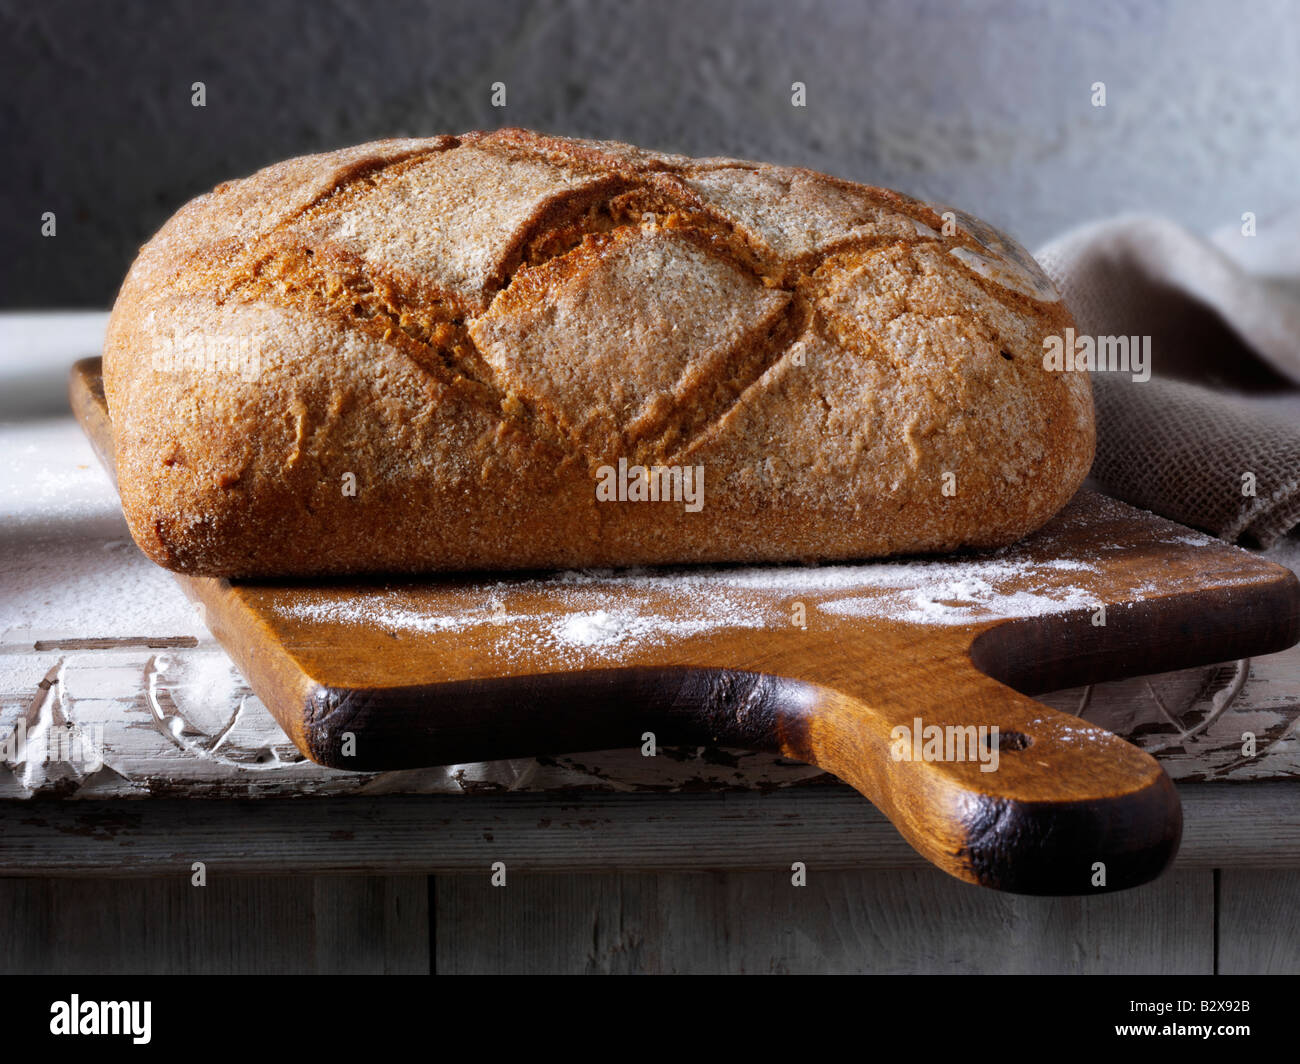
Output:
x=419 y=355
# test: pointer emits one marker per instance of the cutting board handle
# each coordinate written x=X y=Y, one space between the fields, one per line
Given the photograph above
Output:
x=988 y=784
x=1000 y=790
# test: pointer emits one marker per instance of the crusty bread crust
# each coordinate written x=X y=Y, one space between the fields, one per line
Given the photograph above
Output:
x=466 y=329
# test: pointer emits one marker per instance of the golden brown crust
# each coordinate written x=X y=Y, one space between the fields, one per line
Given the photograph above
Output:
x=464 y=330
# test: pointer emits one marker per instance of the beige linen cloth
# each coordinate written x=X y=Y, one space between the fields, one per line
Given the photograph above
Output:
x=1223 y=400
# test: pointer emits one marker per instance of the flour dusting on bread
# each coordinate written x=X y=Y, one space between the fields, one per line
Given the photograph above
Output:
x=416 y=355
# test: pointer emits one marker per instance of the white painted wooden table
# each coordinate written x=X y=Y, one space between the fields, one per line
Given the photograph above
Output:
x=118 y=713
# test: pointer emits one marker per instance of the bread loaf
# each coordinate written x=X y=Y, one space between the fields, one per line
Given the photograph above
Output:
x=509 y=350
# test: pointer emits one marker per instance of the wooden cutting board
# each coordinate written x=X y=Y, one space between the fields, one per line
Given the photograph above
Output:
x=902 y=678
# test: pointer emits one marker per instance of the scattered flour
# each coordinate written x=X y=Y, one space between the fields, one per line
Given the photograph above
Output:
x=582 y=621
x=606 y=613
x=585 y=629
x=1191 y=538
x=68 y=567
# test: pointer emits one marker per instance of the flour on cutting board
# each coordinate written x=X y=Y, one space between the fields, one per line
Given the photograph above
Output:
x=606 y=614
x=584 y=622
x=603 y=612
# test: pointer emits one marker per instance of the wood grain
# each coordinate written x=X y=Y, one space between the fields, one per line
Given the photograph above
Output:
x=843 y=921
x=883 y=923
x=1066 y=798
x=827 y=827
x=1259 y=921
x=231 y=926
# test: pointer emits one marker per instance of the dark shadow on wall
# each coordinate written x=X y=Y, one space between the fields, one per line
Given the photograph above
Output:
x=100 y=127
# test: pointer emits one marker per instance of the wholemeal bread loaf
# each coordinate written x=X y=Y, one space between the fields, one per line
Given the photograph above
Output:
x=508 y=350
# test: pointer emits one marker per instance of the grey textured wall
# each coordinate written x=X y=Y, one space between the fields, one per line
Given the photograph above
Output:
x=984 y=105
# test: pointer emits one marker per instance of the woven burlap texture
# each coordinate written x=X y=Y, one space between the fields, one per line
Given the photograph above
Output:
x=1212 y=440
